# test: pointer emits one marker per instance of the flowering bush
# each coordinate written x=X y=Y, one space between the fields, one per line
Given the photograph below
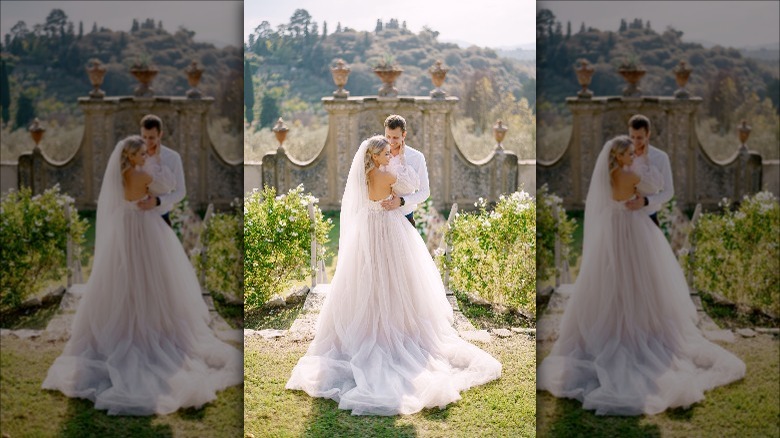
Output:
x=737 y=253
x=429 y=224
x=34 y=233
x=277 y=241
x=223 y=238
x=186 y=224
x=547 y=229
x=675 y=225
x=493 y=252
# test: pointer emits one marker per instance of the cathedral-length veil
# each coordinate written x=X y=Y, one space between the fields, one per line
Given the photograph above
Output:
x=628 y=342
x=140 y=343
x=384 y=343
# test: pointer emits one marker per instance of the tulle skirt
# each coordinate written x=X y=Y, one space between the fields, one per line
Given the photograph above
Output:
x=384 y=343
x=628 y=342
x=140 y=342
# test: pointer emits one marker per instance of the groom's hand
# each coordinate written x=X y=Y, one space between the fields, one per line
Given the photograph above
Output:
x=392 y=203
x=636 y=203
x=147 y=203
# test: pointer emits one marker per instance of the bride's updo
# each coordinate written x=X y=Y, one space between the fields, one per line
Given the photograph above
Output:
x=619 y=145
x=376 y=145
x=130 y=145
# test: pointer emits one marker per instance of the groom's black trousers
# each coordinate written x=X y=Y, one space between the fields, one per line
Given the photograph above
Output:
x=654 y=217
x=167 y=218
x=410 y=216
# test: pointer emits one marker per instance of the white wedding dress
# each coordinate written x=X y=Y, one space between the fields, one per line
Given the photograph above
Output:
x=384 y=343
x=628 y=342
x=140 y=342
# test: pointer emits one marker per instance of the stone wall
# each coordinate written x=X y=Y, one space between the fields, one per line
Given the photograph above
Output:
x=209 y=177
x=697 y=177
x=452 y=176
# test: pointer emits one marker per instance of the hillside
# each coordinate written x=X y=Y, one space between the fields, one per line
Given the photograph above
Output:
x=658 y=52
x=46 y=64
x=291 y=64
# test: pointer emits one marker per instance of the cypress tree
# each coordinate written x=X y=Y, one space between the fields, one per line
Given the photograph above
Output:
x=5 y=93
x=249 y=93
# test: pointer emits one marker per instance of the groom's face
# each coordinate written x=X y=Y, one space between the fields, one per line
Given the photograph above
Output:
x=152 y=137
x=397 y=138
x=641 y=138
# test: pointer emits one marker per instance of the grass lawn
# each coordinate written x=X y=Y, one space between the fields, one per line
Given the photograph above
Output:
x=28 y=410
x=503 y=408
x=747 y=408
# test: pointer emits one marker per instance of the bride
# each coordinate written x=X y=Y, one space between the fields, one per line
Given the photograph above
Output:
x=140 y=341
x=384 y=343
x=628 y=342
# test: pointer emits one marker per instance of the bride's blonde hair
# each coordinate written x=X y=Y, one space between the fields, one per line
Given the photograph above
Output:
x=619 y=145
x=376 y=145
x=130 y=146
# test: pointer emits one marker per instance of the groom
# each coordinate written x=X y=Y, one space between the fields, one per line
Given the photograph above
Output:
x=152 y=132
x=395 y=132
x=639 y=131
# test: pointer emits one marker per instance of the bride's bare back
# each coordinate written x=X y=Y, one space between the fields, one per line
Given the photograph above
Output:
x=135 y=184
x=623 y=184
x=380 y=184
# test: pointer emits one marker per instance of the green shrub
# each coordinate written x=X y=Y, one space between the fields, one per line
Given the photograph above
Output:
x=277 y=242
x=493 y=252
x=547 y=229
x=34 y=233
x=223 y=238
x=737 y=253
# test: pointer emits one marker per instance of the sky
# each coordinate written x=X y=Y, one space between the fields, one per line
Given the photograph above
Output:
x=216 y=22
x=728 y=23
x=485 y=23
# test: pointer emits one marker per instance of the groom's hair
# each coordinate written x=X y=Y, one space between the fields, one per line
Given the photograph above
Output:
x=638 y=121
x=150 y=121
x=395 y=121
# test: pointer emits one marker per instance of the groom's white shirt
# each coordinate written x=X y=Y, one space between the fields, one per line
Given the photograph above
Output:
x=172 y=160
x=416 y=160
x=660 y=161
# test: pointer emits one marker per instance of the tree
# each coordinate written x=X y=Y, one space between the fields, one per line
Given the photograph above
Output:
x=298 y=22
x=568 y=30
x=5 y=93
x=94 y=27
x=324 y=29
x=249 y=93
x=623 y=25
x=135 y=26
x=55 y=23
x=378 y=27
x=81 y=29
x=25 y=111
x=338 y=27
x=269 y=111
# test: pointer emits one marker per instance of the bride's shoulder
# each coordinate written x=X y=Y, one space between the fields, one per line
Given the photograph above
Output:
x=138 y=174
x=625 y=175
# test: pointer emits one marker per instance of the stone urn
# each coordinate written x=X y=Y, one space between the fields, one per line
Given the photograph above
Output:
x=280 y=131
x=438 y=74
x=632 y=74
x=194 y=72
x=499 y=132
x=36 y=131
x=744 y=133
x=144 y=74
x=388 y=75
x=681 y=74
x=584 y=75
x=96 y=72
x=340 y=72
